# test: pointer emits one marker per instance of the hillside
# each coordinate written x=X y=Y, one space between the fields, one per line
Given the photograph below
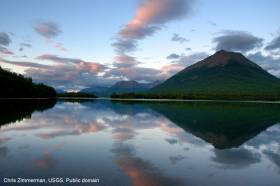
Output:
x=16 y=86
x=224 y=75
x=120 y=87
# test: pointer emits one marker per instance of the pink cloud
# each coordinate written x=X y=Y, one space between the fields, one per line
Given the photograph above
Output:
x=60 y=47
x=151 y=14
x=47 y=29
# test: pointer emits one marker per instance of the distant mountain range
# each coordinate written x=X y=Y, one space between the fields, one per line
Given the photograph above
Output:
x=120 y=87
x=17 y=86
x=224 y=75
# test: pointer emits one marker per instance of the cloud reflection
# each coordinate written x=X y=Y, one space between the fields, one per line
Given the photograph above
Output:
x=235 y=158
x=141 y=172
x=45 y=162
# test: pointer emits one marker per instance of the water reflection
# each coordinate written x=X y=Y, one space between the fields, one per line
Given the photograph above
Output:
x=16 y=110
x=235 y=158
x=141 y=172
x=144 y=143
x=224 y=125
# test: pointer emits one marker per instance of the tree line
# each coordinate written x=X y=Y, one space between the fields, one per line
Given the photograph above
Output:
x=15 y=85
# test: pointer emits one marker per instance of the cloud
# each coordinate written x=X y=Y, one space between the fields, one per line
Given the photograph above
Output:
x=25 y=64
x=123 y=134
x=80 y=64
x=69 y=76
x=60 y=47
x=65 y=72
x=122 y=45
x=180 y=63
x=193 y=58
x=150 y=17
x=178 y=38
x=237 y=41
x=77 y=73
x=268 y=62
x=171 y=69
x=171 y=141
x=144 y=74
x=274 y=44
x=56 y=59
x=175 y=159
x=5 y=51
x=125 y=61
x=173 y=56
x=273 y=156
x=141 y=172
x=79 y=129
x=48 y=30
x=45 y=162
x=22 y=46
x=141 y=74
x=5 y=39
x=25 y=45
x=235 y=158
x=151 y=14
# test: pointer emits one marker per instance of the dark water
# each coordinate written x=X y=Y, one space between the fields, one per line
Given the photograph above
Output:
x=149 y=144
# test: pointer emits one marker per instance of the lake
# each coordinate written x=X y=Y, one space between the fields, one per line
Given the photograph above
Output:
x=141 y=143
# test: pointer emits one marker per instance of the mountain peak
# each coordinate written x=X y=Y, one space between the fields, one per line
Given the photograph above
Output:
x=127 y=83
x=223 y=58
x=228 y=54
x=223 y=75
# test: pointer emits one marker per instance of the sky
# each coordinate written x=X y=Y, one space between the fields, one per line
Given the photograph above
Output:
x=71 y=44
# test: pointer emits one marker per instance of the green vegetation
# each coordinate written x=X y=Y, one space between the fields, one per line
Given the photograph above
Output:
x=223 y=76
x=76 y=95
x=223 y=124
x=17 y=86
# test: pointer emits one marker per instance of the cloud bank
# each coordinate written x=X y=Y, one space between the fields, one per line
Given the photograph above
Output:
x=69 y=73
x=237 y=41
x=5 y=51
x=274 y=44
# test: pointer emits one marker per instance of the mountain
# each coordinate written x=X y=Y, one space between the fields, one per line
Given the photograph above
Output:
x=224 y=75
x=121 y=87
x=224 y=125
x=97 y=90
x=16 y=86
x=127 y=86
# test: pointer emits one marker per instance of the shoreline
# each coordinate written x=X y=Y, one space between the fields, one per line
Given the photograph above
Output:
x=148 y=100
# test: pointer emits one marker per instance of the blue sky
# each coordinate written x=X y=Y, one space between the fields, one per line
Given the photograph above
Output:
x=94 y=32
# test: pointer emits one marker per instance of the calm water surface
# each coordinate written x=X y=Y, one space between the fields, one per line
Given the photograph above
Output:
x=149 y=144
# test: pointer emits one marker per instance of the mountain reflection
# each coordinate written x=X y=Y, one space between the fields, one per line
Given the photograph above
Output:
x=224 y=125
x=143 y=143
x=16 y=110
